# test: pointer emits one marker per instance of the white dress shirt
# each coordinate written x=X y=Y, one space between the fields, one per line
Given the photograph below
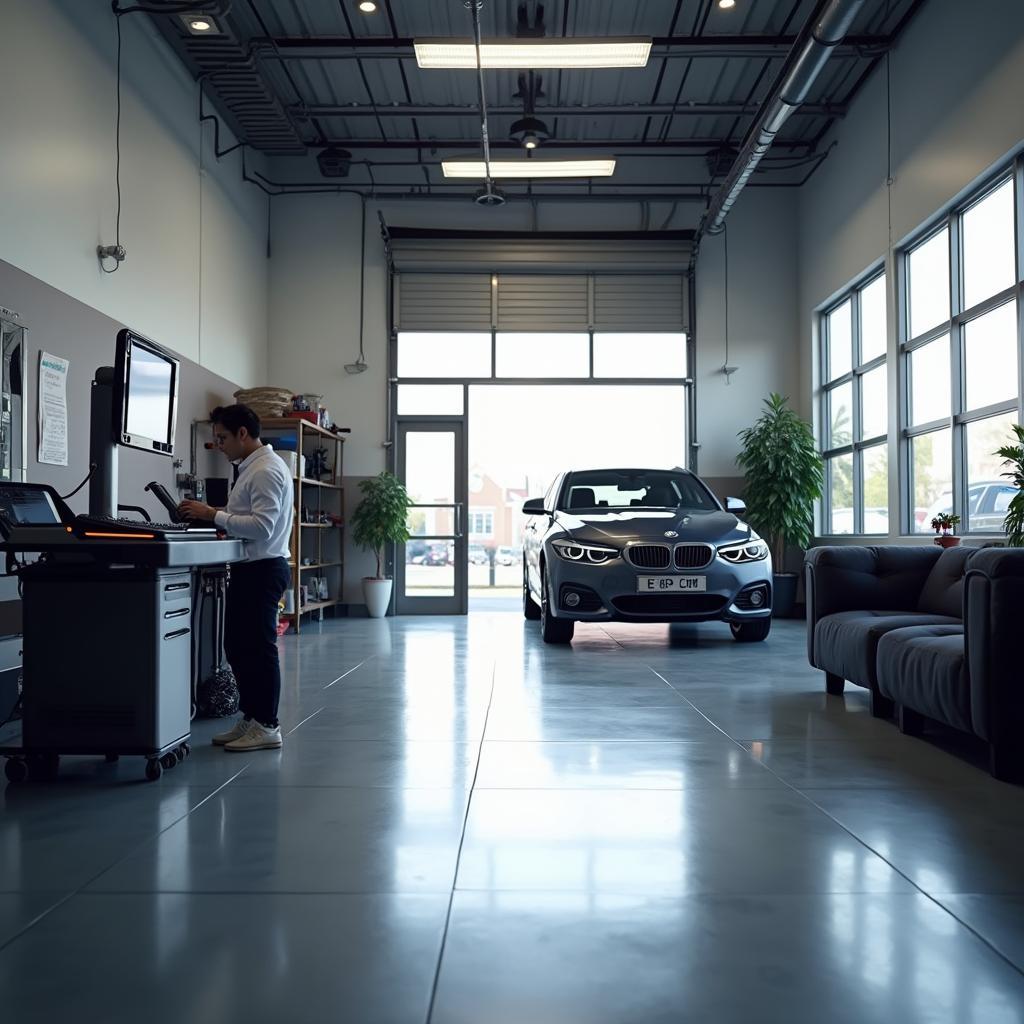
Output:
x=260 y=506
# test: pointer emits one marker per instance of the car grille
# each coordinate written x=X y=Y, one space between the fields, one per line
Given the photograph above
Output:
x=669 y=604
x=693 y=556
x=649 y=556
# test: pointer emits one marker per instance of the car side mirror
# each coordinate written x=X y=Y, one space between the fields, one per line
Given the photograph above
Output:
x=535 y=507
x=736 y=506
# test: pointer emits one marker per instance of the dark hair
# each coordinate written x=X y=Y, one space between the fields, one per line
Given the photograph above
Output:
x=234 y=417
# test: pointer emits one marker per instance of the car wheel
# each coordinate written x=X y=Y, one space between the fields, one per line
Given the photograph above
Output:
x=751 y=632
x=553 y=631
x=531 y=610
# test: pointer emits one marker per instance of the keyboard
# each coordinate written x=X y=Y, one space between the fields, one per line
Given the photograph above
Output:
x=86 y=524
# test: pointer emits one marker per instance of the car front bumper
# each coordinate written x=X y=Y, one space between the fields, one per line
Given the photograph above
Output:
x=608 y=593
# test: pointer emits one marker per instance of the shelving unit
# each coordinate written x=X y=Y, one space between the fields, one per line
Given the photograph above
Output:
x=322 y=543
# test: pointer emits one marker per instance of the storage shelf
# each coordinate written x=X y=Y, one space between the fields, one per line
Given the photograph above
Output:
x=291 y=422
x=320 y=526
x=306 y=482
x=319 y=565
x=311 y=607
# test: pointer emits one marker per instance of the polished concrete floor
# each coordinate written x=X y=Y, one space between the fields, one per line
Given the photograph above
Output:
x=466 y=827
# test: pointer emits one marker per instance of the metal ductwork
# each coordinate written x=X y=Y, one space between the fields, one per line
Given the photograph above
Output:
x=809 y=56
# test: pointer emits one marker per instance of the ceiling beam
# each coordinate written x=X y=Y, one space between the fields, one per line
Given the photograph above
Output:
x=370 y=47
x=613 y=146
x=595 y=110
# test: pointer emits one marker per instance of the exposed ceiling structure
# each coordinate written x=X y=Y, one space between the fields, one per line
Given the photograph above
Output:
x=295 y=77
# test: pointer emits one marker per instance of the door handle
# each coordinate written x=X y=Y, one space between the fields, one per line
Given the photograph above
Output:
x=458 y=519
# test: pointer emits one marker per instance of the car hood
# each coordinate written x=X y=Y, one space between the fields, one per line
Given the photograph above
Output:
x=651 y=524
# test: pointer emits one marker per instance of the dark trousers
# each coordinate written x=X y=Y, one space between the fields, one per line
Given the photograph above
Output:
x=250 y=636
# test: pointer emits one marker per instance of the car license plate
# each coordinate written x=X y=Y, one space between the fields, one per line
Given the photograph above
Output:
x=665 y=584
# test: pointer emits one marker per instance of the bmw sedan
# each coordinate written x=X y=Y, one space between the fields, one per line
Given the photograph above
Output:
x=642 y=545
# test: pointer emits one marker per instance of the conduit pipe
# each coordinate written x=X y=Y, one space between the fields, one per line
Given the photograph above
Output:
x=809 y=55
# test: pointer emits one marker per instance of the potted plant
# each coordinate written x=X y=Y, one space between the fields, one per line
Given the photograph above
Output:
x=1013 y=456
x=783 y=471
x=379 y=520
x=943 y=525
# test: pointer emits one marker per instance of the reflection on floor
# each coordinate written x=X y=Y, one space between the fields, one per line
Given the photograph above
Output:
x=465 y=826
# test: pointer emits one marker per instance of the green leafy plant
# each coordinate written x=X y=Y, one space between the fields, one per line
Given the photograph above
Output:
x=784 y=477
x=945 y=522
x=380 y=517
x=1013 y=456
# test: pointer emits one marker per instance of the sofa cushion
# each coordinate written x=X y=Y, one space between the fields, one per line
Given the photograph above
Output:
x=924 y=668
x=943 y=590
x=846 y=643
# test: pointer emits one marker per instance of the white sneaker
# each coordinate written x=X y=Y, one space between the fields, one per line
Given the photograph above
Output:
x=256 y=737
x=237 y=730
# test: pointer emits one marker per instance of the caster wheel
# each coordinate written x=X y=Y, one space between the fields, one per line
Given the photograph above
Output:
x=16 y=770
x=111 y=758
x=187 y=748
x=168 y=761
x=179 y=754
x=154 y=769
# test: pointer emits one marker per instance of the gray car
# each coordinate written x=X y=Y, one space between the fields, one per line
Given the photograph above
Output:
x=642 y=545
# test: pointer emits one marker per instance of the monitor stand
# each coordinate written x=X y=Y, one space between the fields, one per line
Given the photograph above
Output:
x=102 y=447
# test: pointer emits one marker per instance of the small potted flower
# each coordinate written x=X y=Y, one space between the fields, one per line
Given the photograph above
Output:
x=943 y=525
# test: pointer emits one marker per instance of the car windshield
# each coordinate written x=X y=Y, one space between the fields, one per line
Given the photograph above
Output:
x=631 y=488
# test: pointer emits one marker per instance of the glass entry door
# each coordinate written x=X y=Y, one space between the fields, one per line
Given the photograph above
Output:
x=431 y=572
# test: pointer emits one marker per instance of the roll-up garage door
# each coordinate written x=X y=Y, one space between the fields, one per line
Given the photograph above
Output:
x=601 y=283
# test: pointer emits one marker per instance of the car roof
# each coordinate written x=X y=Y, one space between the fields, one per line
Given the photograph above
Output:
x=632 y=469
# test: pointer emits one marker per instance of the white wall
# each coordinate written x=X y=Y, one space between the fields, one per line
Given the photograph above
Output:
x=957 y=76
x=763 y=331
x=196 y=274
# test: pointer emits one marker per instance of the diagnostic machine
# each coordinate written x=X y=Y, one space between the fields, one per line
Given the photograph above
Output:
x=108 y=598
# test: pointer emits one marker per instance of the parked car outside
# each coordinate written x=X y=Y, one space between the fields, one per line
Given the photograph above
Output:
x=477 y=555
x=642 y=545
x=987 y=502
x=507 y=556
x=437 y=554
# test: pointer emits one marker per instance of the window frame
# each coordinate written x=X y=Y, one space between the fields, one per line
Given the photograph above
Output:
x=855 y=375
x=955 y=327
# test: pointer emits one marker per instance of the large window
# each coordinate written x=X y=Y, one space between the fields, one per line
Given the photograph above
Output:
x=960 y=350
x=855 y=412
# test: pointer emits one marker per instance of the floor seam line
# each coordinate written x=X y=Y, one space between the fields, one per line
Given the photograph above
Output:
x=458 y=855
x=867 y=846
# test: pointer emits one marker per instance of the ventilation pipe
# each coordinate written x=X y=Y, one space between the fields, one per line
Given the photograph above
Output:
x=805 y=63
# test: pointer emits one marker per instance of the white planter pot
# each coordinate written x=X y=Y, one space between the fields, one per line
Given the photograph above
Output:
x=377 y=594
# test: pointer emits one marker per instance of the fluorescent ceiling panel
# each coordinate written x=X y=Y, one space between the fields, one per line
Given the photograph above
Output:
x=534 y=54
x=592 y=168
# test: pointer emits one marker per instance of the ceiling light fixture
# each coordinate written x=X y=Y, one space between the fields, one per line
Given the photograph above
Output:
x=200 y=24
x=591 y=168
x=727 y=5
x=368 y=7
x=529 y=132
x=533 y=54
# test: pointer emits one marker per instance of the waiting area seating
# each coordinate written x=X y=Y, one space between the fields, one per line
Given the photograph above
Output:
x=932 y=634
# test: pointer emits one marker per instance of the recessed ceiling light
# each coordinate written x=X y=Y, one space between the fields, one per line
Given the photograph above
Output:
x=533 y=54
x=368 y=7
x=200 y=24
x=726 y=4
x=593 y=168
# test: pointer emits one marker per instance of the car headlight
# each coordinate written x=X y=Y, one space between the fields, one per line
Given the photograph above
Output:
x=594 y=554
x=747 y=551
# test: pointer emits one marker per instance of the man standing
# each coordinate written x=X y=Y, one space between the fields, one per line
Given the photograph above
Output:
x=259 y=510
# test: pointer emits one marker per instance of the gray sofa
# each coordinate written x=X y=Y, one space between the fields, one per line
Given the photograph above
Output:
x=930 y=633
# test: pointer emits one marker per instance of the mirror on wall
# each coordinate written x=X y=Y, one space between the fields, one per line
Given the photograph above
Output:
x=12 y=400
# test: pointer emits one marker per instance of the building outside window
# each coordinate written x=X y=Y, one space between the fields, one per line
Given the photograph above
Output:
x=960 y=350
x=854 y=413
x=481 y=522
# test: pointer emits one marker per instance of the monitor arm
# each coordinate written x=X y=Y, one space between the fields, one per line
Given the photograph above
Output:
x=102 y=448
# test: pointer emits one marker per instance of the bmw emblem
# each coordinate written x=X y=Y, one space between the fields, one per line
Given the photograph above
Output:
x=671 y=533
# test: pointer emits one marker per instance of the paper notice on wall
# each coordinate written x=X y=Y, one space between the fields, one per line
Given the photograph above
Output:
x=53 y=409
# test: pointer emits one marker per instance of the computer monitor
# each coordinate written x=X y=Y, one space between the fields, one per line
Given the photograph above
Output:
x=145 y=394
x=30 y=504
